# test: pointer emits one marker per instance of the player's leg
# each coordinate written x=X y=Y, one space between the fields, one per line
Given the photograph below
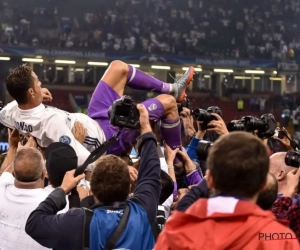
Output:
x=164 y=108
x=120 y=74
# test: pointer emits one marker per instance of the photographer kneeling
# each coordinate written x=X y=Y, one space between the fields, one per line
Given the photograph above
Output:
x=110 y=186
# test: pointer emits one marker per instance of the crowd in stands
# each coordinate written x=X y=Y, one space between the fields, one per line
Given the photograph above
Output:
x=267 y=29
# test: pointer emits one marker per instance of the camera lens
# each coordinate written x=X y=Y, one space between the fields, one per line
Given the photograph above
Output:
x=252 y=123
x=292 y=159
x=202 y=149
x=236 y=126
x=201 y=115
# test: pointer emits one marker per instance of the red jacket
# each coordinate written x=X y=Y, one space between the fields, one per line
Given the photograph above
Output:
x=221 y=223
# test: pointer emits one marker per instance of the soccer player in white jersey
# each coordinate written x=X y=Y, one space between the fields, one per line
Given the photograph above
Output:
x=48 y=124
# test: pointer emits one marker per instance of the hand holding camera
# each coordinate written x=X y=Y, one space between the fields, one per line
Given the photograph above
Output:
x=218 y=125
x=292 y=183
x=187 y=121
x=283 y=137
x=144 y=123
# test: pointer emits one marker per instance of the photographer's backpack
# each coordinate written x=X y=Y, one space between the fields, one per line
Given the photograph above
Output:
x=114 y=238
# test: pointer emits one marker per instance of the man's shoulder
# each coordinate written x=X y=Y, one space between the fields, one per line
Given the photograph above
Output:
x=278 y=226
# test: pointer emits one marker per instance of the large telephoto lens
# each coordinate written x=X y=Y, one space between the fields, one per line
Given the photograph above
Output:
x=202 y=149
x=292 y=159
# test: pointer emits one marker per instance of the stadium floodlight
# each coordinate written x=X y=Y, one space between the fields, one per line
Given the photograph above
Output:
x=223 y=70
x=79 y=70
x=246 y=78
x=254 y=71
x=4 y=58
x=64 y=62
x=275 y=79
x=135 y=65
x=160 y=67
x=98 y=63
x=32 y=60
x=196 y=69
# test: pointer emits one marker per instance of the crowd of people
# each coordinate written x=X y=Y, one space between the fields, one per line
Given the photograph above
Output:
x=193 y=183
x=265 y=29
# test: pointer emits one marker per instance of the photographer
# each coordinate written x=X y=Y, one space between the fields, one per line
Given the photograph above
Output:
x=232 y=207
x=110 y=186
x=284 y=208
x=216 y=128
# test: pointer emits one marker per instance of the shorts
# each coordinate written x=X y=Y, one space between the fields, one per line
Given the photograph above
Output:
x=102 y=98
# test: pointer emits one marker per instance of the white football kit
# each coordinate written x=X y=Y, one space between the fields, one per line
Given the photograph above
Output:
x=48 y=124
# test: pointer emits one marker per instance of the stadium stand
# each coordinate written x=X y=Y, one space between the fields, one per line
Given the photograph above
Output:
x=248 y=29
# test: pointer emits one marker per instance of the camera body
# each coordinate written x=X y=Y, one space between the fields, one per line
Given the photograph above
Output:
x=292 y=158
x=205 y=116
x=124 y=114
x=202 y=149
x=184 y=104
x=265 y=125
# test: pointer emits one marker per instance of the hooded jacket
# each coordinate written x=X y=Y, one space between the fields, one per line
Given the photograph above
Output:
x=221 y=223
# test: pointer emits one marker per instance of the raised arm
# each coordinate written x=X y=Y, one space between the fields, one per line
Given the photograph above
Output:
x=52 y=230
x=148 y=186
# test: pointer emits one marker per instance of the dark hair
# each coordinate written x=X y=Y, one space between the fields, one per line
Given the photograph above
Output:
x=110 y=179
x=28 y=165
x=239 y=164
x=268 y=195
x=18 y=82
x=57 y=179
x=167 y=187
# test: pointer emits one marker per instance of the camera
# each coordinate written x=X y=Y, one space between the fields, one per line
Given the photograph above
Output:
x=238 y=125
x=184 y=104
x=124 y=114
x=205 y=116
x=202 y=149
x=292 y=159
x=265 y=125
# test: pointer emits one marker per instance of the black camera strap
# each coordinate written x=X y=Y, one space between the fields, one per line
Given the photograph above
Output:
x=97 y=153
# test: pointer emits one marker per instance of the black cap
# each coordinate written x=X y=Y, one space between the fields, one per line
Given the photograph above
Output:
x=60 y=158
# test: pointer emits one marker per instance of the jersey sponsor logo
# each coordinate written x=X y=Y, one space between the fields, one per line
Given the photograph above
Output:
x=65 y=139
x=2 y=115
x=23 y=127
